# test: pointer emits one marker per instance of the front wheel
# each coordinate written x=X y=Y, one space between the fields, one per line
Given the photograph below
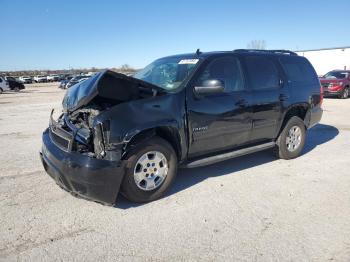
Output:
x=291 y=141
x=345 y=93
x=151 y=169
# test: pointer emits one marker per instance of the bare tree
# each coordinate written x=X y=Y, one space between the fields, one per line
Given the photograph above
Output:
x=257 y=44
x=125 y=67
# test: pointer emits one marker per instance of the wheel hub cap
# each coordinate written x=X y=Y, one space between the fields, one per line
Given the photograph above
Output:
x=150 y=170
x=293 y=139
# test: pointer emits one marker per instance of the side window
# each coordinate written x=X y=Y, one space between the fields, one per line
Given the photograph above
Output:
x=226 y=69
x=262 y=72
x=298 y=70
x=0 y=79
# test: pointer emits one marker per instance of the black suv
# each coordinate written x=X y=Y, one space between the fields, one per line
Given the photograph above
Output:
x=132 y=133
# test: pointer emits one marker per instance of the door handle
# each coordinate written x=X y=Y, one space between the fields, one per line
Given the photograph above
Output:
x=283 y=97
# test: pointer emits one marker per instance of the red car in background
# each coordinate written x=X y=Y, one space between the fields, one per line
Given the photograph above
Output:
x=336 y=83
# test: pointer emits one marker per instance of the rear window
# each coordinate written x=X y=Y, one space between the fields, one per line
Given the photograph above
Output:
x=299 y=70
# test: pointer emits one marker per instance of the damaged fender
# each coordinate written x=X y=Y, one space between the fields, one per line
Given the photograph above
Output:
x=127 y=120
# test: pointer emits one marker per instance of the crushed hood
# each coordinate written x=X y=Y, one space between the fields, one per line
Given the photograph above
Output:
x=109 y=85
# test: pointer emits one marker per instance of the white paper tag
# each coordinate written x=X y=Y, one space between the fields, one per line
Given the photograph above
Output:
x=188 y=61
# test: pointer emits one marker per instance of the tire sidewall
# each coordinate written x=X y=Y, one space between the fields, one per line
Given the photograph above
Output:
x=129 y=188
x=283 y=151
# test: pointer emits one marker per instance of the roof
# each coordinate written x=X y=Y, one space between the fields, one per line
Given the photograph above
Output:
x=236 y=51
x=321 y=49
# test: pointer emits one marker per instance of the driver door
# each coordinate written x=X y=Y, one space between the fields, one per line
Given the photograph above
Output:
x=219 y=121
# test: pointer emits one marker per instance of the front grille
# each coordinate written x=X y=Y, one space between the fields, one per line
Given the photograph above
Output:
x=59 y=141
x=325 y=85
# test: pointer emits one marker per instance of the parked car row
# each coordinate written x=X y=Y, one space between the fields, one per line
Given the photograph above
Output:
x=49 y=78
x=45 y=78
x=17 y=83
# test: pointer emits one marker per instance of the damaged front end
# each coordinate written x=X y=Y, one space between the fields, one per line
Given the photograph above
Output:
x=79 y=132
x=77 y=148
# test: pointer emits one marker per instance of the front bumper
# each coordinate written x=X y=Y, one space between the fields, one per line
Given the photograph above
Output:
x=328 y=93
x=91 y=178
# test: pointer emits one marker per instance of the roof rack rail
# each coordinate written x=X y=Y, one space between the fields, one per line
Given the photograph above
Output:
x=286 y=52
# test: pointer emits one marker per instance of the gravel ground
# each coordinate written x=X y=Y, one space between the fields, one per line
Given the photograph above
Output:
x=250 y=208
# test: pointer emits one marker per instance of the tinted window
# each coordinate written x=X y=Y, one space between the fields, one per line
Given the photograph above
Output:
x=262 y=72
x=298 y=70
x=226 y=69
x=0 y=79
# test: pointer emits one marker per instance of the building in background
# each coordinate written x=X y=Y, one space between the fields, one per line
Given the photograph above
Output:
x=327 y=59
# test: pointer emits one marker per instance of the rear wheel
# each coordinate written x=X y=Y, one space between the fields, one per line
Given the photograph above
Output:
x=1 y=90
x=16 y=89
x=151 y=169
x=291 y=141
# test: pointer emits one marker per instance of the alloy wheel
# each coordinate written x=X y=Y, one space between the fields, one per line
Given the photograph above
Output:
x=293 y=139
x=150 y=170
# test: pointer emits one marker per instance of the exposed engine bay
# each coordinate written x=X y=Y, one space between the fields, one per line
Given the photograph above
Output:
x=77 y=128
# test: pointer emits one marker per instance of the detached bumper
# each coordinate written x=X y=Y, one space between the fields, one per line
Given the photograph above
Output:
x=313 y=116
x=93 y=179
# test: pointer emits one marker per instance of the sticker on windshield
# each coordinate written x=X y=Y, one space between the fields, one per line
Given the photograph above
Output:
x=188 y=61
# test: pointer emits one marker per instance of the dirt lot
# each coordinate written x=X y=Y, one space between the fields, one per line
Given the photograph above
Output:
x=250 y=208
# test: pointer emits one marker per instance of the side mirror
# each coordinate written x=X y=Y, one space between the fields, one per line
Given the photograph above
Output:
x=212 y=86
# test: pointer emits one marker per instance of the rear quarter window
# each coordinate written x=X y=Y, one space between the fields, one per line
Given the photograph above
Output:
x=299 y=70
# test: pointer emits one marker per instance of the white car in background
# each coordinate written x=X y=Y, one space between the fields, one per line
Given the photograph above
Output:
x=25 y=80
x=4 y=85
x=40 y=79
x=53 y=78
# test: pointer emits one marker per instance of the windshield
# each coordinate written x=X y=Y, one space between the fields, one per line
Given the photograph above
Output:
x=336 y=75
x=167 y=73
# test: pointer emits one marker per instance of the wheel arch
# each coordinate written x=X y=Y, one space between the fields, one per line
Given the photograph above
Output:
x=300 y=110
x=168 y=133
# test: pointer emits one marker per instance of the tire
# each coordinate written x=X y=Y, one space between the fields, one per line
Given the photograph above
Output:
x=16 y=89
x=291 y=148
x=1 y=90
x=135 y=186
x=345 y=93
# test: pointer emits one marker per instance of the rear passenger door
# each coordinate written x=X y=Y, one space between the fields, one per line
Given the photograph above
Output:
x=266 y=84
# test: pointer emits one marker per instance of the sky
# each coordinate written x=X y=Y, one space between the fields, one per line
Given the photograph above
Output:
x=63 y=34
